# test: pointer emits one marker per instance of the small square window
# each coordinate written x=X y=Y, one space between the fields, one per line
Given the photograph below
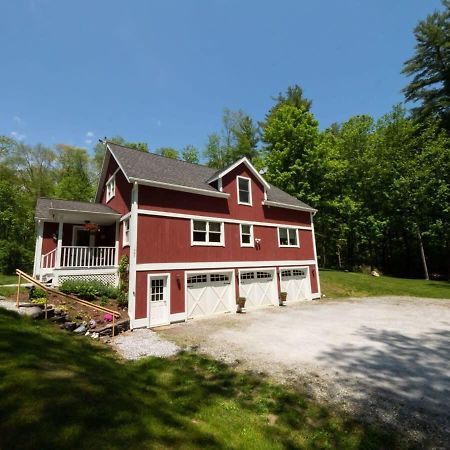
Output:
x=287 y=237
x=126 y=232
x=246 y=235
x=110 y=188
x=205 y=233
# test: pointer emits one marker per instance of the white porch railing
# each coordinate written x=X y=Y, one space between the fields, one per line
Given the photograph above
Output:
x=80 y=257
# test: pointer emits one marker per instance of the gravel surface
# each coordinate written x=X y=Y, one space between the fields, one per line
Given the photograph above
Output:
x=385 y=359
x=140 y=343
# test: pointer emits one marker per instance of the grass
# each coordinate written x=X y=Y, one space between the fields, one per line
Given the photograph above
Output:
x=336 y=284
x=59 y=391
x=8 y=279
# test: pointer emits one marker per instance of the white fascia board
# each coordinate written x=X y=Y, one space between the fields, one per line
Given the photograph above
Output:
x=178 y=187
x=236 y=164
x=173 y=215
x=287 y=206
x=85 y=212
x=193 y=266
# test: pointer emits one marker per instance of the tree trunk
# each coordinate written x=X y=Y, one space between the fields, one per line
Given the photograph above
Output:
x=422 y=255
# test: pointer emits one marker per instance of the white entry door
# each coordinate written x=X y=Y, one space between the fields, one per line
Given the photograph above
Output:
x=158 y=300
x=258 y=287
x=295 y=281
x=209 y=293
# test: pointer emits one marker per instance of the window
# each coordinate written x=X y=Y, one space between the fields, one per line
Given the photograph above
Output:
x=287 y=237
x=299 y=273
x=126 y=232
x=263 y=275
x=220 y=277
x=247 y=275
x=207 y=233
x=196 y=279
x=246 y=235
x=110 y=188
x=157 y=290
x=244 y=191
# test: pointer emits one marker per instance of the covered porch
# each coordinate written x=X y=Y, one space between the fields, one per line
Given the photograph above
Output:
x=76 y=240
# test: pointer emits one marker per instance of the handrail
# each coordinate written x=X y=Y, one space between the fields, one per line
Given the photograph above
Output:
x=21 y=274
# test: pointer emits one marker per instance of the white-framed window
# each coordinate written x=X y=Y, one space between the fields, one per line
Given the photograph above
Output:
x=244 y=190
x=288 y=237
x=246 y=235
x=111 y=188
x=126 y=232
x=206 y=232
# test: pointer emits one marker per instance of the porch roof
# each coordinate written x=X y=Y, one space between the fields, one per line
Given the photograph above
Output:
x=51 y=209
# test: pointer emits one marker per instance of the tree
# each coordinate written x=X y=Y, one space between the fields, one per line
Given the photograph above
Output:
x=215 y=153
x=168 y=152
x=74 y=178
x=430 y=67
x=190 y=154
x=246 y=134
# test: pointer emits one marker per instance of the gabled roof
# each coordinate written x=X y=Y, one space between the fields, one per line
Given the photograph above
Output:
x=46 y=206
x=156 y=170
x=221 y=173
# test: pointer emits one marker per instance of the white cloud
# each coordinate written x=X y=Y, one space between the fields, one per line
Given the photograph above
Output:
x=90 y=134
x=17 y=136
x=88 y=141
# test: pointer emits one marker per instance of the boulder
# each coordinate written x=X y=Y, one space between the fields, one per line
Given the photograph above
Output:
x=70 y=326
x=81 y=329
x=34 y=312
x=374 y=273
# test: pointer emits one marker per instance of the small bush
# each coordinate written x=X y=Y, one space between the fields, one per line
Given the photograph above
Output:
x=37 y=293
x=39 y=301
x=88 y=289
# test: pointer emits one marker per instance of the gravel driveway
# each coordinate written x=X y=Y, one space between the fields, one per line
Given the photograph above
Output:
x=384 y=358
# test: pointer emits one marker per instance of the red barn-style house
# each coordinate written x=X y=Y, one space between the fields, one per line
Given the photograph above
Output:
x=196 y=238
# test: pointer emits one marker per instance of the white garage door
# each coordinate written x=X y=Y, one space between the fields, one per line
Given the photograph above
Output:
x=209 y=293
x=258 y=287
x=295 y=281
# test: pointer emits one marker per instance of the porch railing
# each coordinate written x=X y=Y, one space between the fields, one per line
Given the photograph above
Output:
x=80 y=257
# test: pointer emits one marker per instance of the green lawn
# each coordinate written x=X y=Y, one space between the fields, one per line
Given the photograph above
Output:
x=59 y=391
x=336 y=284
x=8 y=279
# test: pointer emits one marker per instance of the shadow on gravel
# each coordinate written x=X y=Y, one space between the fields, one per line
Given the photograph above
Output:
x=407 y=378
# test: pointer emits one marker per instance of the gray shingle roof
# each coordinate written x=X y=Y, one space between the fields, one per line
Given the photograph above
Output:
x=152 y=167
x=44 y=205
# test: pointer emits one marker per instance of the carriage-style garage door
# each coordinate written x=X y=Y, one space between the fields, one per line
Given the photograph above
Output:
x=295 y=281
x=209 y=293
x=258 y=287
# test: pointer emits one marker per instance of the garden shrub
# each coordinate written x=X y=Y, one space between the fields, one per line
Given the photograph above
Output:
x=36 y=292
x=88 y=289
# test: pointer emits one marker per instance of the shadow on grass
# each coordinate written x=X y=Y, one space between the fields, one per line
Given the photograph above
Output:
x=410 y=375
x=58 y=391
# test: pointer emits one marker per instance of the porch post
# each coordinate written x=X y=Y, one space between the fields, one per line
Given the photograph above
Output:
x=133 y=248
x=59 y=245
x=38 y=248
x=116 y=254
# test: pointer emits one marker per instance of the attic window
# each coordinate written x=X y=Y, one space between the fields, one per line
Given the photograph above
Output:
x=110 y=188
x=244 y=191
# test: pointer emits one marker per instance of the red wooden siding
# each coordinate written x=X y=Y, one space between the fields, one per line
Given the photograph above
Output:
x=48 y=243
x=121 y=202
x=164 y=240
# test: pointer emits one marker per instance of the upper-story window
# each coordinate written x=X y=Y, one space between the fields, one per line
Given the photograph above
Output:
x=288 y=237
x=207 y=233
x=111 y=188
x=244 y=191
x=126 y=232
x=246 y=235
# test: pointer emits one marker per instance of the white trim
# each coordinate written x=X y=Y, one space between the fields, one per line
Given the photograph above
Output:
x=125 y=239
x=113 y=175
x=38 y=247
x=116 y=255
x=178 y=187
x=158 y=275
x=133 y=249
x=138 y=323
x=296 y=236
x=85 y=212
x=178 y=317
x=220 y=185
x=59 y=244
x=236 y=164
x=150 y=212
x=89 y=271
x=258 y=269
x=317 y=294
x=125 y=216
x=252 y=240
x=218 y=265
x=117 y=161
x=287 y=206
x=239 y=177
x=207 y=243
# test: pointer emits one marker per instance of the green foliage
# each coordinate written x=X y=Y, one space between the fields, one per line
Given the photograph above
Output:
x=187 y=401
x=39 y=300
x=88 y=289
x=168 y=152
x=38 y=293
x=430 y=67
x=190 y=154
x=122 y=290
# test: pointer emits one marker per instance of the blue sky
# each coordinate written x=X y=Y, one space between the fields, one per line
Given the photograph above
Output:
x=163 y=71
